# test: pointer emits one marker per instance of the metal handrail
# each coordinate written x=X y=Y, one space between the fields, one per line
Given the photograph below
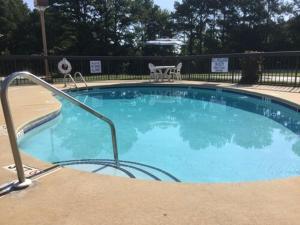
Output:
x=70 y=76
x=81 y=77
x=22 y=181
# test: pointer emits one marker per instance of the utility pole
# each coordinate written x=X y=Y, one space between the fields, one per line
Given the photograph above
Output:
x=41 y=6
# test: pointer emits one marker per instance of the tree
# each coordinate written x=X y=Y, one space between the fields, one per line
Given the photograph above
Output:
x=118 y=24
x=294 y=32
x=192 y=17
x=122 y=27
x=13 y=15
x=149 y=23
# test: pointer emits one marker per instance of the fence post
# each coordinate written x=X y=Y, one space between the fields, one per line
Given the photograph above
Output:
x=140 y=68
x=15 y=64
x=296 y=71
x=209 y=65
x=108 y=67
x=232 y=69
x=189 y=63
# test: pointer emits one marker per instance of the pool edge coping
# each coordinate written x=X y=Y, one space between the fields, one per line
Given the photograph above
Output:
x=49 y=116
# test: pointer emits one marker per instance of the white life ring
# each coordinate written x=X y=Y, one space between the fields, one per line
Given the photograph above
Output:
x=64 y=66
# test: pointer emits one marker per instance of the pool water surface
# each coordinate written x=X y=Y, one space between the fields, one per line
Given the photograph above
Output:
x=196 y=135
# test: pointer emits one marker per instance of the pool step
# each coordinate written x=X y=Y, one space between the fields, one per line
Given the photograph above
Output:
x=125 y=169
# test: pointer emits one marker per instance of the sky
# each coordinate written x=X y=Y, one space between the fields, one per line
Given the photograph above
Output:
x=164 y=4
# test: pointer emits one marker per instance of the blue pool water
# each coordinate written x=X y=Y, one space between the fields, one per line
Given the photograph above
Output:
x=195 y=135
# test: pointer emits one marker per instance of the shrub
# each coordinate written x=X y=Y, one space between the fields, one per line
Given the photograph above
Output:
x=251 y=65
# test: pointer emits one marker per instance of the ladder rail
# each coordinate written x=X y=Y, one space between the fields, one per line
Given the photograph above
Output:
x=81 y=77
x=65 y=80
x=22 y=181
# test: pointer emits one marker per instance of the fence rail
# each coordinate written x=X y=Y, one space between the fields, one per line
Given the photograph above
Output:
x=276 y=68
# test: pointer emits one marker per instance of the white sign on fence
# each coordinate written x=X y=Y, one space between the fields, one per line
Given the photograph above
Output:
x=95 y=66
x=219 y=65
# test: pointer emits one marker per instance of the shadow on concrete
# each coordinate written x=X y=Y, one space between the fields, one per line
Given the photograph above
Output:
x=10 y=187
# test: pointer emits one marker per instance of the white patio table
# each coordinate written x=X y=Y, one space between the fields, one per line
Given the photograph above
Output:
x=165 y=71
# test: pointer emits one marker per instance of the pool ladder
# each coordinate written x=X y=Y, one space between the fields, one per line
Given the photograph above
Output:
x=22 y=181
x=74 y=79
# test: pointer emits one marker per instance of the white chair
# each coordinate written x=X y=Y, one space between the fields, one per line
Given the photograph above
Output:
x=155 y=74
x=176 y=72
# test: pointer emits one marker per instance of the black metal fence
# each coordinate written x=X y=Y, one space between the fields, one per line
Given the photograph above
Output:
x=276 y=68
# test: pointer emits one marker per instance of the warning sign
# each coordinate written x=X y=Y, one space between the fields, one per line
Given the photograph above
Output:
x=28 y=171
x=95 y=66
x=3 y=130
x=219 y=65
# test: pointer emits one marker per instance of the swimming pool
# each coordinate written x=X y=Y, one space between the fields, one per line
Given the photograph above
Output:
x=174 y=134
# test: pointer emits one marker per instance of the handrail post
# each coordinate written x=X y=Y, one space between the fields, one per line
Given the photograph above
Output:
x=23 y=182
x=70 y=76
x=81 y=77
x=115 y=147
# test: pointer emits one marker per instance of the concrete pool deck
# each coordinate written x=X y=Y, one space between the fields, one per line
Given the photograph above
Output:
x=67 y=196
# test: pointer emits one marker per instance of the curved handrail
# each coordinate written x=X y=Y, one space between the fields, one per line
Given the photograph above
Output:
x=70 y=76
x=81 y=77
x=23 y=182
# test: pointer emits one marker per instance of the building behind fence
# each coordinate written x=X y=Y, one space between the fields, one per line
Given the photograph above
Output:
x=276 y=68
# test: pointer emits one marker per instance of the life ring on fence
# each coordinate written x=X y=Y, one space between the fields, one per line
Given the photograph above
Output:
x=64 y=66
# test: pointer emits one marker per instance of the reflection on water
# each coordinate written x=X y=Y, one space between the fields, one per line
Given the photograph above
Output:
x=177 y=107
x=276 y=112
x=158 y=121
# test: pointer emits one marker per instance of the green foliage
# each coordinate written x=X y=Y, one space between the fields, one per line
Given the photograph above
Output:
x=251 y=68
x=13 y=16
x=121 y=27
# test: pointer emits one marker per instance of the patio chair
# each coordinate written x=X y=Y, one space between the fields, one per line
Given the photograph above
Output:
x=176 y=72
x=155 y=74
